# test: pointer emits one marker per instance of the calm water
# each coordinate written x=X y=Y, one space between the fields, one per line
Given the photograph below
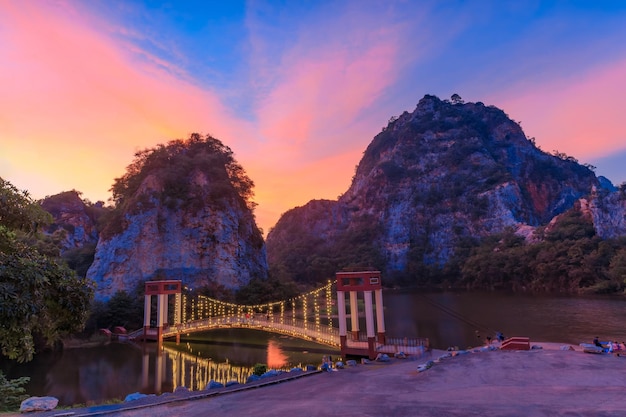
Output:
x=93 y=375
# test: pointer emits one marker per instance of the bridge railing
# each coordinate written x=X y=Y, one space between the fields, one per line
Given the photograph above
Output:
x=286 y=325
x=411 y=346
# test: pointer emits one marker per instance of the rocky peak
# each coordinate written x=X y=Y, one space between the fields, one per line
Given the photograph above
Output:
x=74 y=223
x=182 y=213
x=432 y=179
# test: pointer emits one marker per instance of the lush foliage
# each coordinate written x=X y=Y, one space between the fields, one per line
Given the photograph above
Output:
x=310 y=260
x=12 y=392
x=41 y=299
x=122 y=309
x=259 y=369
x=569 y=257
x=18 y=211
x=183 y=173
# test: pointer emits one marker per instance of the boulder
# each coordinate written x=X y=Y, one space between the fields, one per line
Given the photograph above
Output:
x=311 y=368
x=383 y=357
x=181 y=389
x=270 y=373
x=232 y=383
x=425 y=366
x=351 y=362
x=214 y=384
x=251 y=378
x=134 y=396
x=38 y=404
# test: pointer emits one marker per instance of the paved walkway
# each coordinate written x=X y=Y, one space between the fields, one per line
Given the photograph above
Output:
x=548 y=382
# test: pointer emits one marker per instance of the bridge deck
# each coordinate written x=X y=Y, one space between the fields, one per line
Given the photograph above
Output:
x=293 y=327
x=296 y=328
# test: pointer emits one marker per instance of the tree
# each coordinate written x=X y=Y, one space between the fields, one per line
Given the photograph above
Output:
x=41 y=299
x=12 y=393
x=456 y=99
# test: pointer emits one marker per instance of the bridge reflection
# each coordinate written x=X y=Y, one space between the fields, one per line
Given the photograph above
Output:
x=171 y=367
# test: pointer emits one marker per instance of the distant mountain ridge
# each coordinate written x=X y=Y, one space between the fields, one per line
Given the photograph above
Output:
x=429 y=186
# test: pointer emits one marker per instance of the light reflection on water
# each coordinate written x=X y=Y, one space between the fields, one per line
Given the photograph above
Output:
x=96 y=374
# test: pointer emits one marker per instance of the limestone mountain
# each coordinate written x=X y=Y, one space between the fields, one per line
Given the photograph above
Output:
x=429 y=186
x=182 y=211
x=75 y=221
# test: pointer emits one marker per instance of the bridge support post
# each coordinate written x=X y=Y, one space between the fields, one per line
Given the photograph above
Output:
x=380 y=316
x=366 y=281
x=341 y=312
x=369 y=324
x=354 y=315
x=161 y=316
x=147 y=304
x=162 y=289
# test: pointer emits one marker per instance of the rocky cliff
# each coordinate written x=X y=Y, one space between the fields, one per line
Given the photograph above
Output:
x=74 y=223
x=181 y=213
x=429 y=185
x=608 y=212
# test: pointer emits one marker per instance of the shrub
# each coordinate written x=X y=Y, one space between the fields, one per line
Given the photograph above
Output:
x=12 y=393
x=259 y=369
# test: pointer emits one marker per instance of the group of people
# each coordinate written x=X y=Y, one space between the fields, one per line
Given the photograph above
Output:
x=609 y=346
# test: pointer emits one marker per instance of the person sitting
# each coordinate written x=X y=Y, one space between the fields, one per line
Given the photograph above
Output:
x=596 y=341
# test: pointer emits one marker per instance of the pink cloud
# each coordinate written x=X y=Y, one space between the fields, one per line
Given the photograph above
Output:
x=79 y=100
x=582 y=117
x=324 y=92
x=77 y=104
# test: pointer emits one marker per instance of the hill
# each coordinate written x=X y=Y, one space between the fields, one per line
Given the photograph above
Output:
x=428 y=191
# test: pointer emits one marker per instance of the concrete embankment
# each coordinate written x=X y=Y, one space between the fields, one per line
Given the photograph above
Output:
x=545 y=382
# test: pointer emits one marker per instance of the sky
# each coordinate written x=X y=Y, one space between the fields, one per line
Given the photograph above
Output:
x=297 y=89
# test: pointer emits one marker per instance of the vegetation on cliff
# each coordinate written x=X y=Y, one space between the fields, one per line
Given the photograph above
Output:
x=41 y=299
x=174 y=165
x=567 y=256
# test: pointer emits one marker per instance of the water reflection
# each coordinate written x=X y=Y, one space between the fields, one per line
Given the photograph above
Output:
x=96 y=374
x=275 y=357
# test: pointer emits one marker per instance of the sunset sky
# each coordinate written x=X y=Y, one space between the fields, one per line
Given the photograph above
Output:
x=297 y=89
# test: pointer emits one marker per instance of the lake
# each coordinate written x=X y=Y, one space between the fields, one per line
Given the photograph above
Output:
x=98 y=374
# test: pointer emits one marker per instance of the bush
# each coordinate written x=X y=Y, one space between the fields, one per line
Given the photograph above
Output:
x=259 y=369
x=11 y=392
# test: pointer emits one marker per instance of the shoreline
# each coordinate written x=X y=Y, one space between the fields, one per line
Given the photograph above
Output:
x=494 y=381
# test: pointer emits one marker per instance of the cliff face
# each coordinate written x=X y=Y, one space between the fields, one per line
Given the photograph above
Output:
x=202 y=247
x=433 y=179
x=179 y=218
x=608 y=212
x=74 y=222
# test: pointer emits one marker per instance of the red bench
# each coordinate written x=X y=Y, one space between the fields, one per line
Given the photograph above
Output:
x=516 y=343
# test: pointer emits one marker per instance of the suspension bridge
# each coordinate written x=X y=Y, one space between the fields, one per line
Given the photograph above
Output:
x=320 y=315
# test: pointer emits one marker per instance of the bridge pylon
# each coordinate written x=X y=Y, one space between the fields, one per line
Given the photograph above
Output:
x=353 y=283
x=162 y=289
